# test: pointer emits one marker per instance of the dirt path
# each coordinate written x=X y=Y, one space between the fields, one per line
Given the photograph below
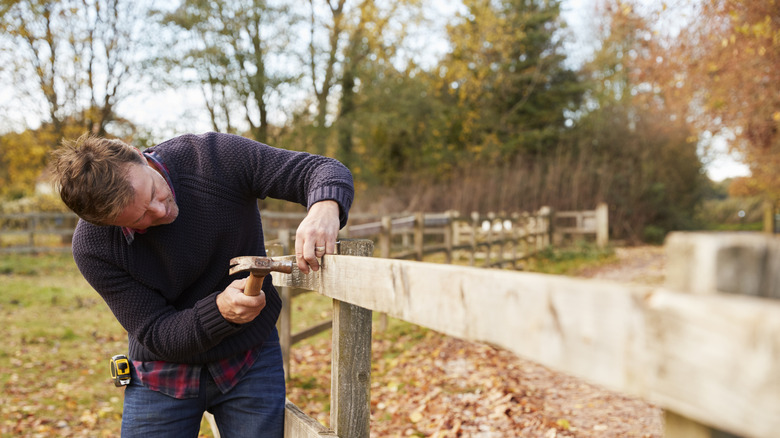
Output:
x=641 y=264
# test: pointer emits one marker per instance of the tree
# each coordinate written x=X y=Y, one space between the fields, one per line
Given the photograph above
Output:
x=71 y=58
x=240 y=54
x=728 y=62
x=353 y=37
x=505 y=79
x=24 y=156
x=641 y=152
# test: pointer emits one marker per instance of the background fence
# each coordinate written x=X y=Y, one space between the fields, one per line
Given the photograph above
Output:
x=491 y=239
x=36 y=232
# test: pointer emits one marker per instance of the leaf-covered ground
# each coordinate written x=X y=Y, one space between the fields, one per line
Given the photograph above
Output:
x=430 y=385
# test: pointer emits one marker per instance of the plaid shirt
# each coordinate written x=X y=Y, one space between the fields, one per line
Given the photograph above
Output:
x=183 y=380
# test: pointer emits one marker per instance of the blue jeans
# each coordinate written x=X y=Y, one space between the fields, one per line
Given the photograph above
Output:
x=253 y=408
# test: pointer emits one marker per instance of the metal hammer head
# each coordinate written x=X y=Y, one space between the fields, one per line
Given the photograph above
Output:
x=259 y=265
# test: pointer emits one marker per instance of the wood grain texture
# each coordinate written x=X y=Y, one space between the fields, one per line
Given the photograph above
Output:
x=714 y=358
x=299 y=425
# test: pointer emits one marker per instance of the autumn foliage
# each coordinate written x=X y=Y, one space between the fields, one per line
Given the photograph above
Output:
x=500 y=118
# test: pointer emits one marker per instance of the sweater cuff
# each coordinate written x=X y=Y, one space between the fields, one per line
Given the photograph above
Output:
x=336 y=193
x=215 y=327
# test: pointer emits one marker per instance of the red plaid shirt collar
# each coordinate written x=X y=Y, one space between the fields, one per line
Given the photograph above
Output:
x=183 y=380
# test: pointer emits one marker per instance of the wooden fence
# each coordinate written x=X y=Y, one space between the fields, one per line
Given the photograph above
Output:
x=36 y=232
x=489 y=240
x=494 y=239
x=711 y=360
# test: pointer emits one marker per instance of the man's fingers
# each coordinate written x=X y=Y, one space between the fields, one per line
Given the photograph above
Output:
x=237 y=307
x=316 y=236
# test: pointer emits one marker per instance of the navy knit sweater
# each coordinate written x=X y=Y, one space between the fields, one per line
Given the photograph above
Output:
x=162 y=288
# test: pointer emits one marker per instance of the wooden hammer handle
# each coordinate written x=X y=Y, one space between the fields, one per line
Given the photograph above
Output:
x=254 y=283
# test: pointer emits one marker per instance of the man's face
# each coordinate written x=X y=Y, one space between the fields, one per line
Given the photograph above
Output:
x=153 y=203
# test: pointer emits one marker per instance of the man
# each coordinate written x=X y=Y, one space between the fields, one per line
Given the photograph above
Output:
x=157 y=233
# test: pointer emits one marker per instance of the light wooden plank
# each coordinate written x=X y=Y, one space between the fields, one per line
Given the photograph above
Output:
x=712 y=358
x=299 y=425
x=715 y=359
x=296 y=279
x=350 y=387
x=554 y=320
x=310 y=331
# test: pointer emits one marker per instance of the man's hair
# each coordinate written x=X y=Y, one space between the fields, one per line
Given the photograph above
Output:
x=91 y=174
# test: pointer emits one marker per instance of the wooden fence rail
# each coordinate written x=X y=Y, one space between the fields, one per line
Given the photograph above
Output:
x=36 y=232
x=490 y=240
x=413 y=235
x=712 y=359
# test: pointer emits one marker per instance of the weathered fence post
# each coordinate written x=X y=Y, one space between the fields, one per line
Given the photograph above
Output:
x=732 y=263
x=455 y=218
x=546 y=216
x=386 y=237
x=31 y=226
x=602 y=225
x=769 y=216
x=351 y=363
x=385 y=251
x=474 y=231
x=449 y=233
x=419 y=235
x=502 y=238
x=515 y=221
x=489 y=248
x=284 y=324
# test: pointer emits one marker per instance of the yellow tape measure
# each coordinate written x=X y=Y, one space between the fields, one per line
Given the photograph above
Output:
x=120 y=370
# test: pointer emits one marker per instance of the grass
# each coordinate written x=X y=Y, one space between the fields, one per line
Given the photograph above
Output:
x=569 y=260
x=750 y=226
x=57 y=338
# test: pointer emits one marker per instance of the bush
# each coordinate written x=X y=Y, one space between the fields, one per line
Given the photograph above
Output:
x=725 y=213
x=653 y=234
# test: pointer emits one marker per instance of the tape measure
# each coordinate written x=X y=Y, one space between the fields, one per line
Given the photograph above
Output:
x=120 y=370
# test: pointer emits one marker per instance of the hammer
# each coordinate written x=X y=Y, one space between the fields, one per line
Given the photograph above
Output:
x=258 y=267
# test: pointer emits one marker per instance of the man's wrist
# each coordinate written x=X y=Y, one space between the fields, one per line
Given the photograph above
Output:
x=326 y=206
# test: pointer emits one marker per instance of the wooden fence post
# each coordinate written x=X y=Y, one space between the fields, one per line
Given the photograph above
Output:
x=602 y=225
x=515 y=222
x=386 y=237
x=547 y=216
x=455 y=230
x=351 y=363
x=474 y=231
x=491 y=217
x=419 y=235
x=702 y=263
x=31 y=225
x=284 y=324
x=385 y=251
x=449 y=232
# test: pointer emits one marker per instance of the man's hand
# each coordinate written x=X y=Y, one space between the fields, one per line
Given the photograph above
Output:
x=316 y=235
x=237 y=307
